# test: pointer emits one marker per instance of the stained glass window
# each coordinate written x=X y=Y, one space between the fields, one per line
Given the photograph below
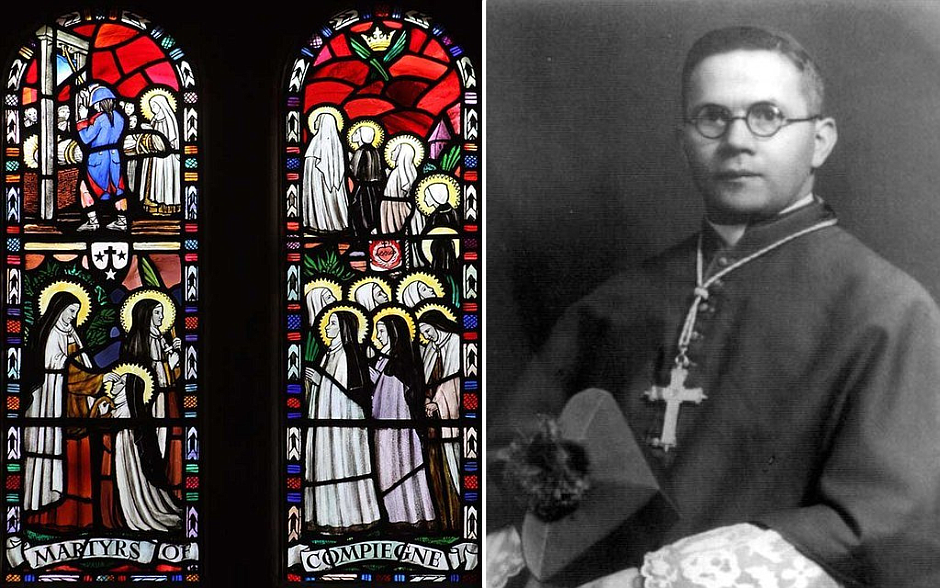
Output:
x=101 y=304
x=381 y=268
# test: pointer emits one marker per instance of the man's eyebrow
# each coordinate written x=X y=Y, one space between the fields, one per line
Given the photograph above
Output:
x=776 y=103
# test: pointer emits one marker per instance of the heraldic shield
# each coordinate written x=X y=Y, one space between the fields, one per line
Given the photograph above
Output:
x=110 y=260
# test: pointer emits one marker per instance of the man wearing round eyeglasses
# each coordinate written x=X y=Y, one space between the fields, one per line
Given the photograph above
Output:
x=754 y=133
x=782 y=379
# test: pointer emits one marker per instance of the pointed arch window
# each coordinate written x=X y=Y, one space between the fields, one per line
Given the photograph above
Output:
x=381 y=251
x=101 y=304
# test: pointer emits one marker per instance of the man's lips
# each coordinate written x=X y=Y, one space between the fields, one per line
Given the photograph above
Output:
x=734 y=174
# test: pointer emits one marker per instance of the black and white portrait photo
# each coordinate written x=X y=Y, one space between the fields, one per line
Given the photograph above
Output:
x=713 y=341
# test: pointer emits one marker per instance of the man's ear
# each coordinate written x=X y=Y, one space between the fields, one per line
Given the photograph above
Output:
x=824 y=140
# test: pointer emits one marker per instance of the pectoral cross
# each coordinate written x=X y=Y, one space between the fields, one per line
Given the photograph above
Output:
x=674 y=395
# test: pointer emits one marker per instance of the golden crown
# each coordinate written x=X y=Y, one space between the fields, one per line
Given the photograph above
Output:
x=379 y=40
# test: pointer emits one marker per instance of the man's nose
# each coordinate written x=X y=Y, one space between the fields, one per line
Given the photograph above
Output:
x=738 y=135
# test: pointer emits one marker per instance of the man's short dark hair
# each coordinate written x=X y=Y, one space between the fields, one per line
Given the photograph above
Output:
x=757 y=39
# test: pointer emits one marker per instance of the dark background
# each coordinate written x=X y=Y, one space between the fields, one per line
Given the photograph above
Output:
x=585 y=174
x=239 y=56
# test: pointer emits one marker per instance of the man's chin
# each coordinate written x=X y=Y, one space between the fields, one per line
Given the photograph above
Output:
x=737 y=210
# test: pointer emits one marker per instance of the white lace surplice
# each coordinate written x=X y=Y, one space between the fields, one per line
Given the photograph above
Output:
x=737 y=556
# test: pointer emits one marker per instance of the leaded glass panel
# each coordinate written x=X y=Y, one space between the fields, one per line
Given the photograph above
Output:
x=381 y=267
x=101 y=303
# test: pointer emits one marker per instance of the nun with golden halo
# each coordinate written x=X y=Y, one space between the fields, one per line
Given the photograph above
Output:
x=57 y=469
x=340 y=495
x=438 y=196
x=366 y=171
x=160 y=176
x=370 y=292
x=325 y=199
x=440 y=339
x=144 y=497
x=403 y=154
x=147 y=316
x=318 y=294
x=416 y=287
x=399 y=396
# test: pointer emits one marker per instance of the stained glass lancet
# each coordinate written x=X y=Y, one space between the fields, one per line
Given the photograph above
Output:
x=381 y=212
x=100 y=302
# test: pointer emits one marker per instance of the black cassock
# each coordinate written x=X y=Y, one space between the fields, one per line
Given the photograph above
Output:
x=821 y=363
x=366 y=170
x=443 y=254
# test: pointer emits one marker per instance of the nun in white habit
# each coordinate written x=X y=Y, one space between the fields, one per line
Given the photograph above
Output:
x=325 y=200
x=370 y=295
x=142 y=489
x=396 y=204
x=160 y=176
x=415 y=293
x=316 y=299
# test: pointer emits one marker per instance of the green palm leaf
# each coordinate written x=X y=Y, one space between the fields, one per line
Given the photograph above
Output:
x=377 y=65
x=454 y=291
x=148 y=273
x=326 y=263
x=366 y=55
x=395 y=50
x=361 y=50
x=449 y=161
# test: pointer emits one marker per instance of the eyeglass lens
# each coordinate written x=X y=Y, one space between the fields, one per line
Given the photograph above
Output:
x=763 y=119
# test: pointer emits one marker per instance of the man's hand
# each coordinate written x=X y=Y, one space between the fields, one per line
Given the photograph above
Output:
x=503 y=557
x=82 y=112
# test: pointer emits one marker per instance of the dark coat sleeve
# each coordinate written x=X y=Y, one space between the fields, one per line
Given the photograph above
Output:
x=875 y=517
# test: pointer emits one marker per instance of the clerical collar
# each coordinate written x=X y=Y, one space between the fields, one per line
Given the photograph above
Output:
x=731 y=234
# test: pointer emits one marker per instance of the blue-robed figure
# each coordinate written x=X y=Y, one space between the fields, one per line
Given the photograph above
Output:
x=104 y=180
